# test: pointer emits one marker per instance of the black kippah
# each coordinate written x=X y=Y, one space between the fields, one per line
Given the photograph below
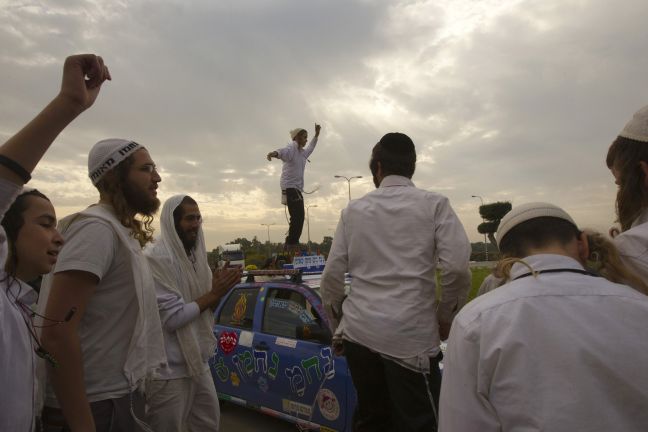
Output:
x=15 y=167
x=397 y=143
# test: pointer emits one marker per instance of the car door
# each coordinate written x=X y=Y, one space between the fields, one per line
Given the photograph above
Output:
x=232 y=365
x=303 y=380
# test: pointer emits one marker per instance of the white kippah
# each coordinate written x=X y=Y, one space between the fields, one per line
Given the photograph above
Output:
x=107 y=154
x=295 y=132
x=637 y=128
x=525 y=212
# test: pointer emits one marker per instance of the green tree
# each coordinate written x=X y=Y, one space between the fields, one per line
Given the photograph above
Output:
x=492 y=214
x=256 y=245
x=212 y=258
x=325 y=246
x=245 y=243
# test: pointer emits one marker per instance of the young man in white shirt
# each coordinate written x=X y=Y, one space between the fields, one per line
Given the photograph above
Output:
x=391 y=241
x=294 y=157
x=183 y=396
x=556 y=349
x=114 y=342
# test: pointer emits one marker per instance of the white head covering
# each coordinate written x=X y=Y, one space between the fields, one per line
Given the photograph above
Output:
x=295 y=132
x=525 y=212
x=637 y=128
x=176 y=272
x=107 y=154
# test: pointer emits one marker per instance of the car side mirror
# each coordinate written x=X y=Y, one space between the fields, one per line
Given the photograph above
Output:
x=313 y=332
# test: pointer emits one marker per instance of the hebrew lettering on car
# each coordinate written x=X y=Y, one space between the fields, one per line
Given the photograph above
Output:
x=277 y=371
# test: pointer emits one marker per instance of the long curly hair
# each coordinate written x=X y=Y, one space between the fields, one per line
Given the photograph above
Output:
x=632 y=197
x=112 y=187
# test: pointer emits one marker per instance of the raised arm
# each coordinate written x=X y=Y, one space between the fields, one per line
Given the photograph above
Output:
x=313 y=142
x=83 y=76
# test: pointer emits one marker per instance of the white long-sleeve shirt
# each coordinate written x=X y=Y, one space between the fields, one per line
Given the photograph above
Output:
x=17 y=357
x=174 y=314
x=558 y=352
x=391 y=241
x=294 y=162
x=633 y=246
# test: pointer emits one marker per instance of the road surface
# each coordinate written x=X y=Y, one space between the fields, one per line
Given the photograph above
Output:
x=235 y=418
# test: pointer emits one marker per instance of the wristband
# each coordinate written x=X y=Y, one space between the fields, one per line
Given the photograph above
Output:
x=15 y=167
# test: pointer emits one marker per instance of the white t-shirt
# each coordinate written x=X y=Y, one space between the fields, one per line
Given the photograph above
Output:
x=107 y=326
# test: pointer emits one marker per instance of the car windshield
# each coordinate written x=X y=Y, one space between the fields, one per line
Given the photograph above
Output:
x=233 y=256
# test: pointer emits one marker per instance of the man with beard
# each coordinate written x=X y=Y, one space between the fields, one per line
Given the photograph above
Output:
x=184 y=396
x=391 y=241
x=113 y=341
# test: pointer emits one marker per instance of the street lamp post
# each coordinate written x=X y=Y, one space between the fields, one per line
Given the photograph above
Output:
x=308 y=224
x=268 y=225
x=348 y=179
x=485 y=237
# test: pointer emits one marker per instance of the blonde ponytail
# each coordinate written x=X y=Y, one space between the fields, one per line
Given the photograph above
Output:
x=604 y=258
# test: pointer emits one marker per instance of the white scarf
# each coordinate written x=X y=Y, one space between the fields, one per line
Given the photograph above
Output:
x=172 y=268
x=146 y=349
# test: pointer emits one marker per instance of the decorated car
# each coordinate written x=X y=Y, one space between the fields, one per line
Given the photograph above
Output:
x=274 y=353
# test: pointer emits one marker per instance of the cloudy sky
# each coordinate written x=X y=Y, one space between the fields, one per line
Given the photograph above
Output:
x=509 y=100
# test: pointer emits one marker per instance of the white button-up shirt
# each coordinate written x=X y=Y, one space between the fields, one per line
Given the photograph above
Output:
x=557 y=352
x=633 y=246
x=391 y=241
x=294 y=162
x=17 y=357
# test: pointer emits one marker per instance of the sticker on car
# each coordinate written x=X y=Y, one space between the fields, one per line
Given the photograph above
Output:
x=328 y=404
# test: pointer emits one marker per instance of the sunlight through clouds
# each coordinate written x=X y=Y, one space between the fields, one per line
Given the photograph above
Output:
x=501 y=97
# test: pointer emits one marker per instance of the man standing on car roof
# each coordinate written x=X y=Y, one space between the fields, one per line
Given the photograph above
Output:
x=294 y=157
x=184 y=396
x=391 y=324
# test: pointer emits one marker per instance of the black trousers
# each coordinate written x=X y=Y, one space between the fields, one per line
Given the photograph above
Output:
x=295 y=203
x=391 y=397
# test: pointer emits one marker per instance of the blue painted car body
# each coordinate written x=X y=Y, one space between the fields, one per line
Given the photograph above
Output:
x=265 y=362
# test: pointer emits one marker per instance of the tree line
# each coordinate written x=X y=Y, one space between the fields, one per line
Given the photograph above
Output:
x=257 y=252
